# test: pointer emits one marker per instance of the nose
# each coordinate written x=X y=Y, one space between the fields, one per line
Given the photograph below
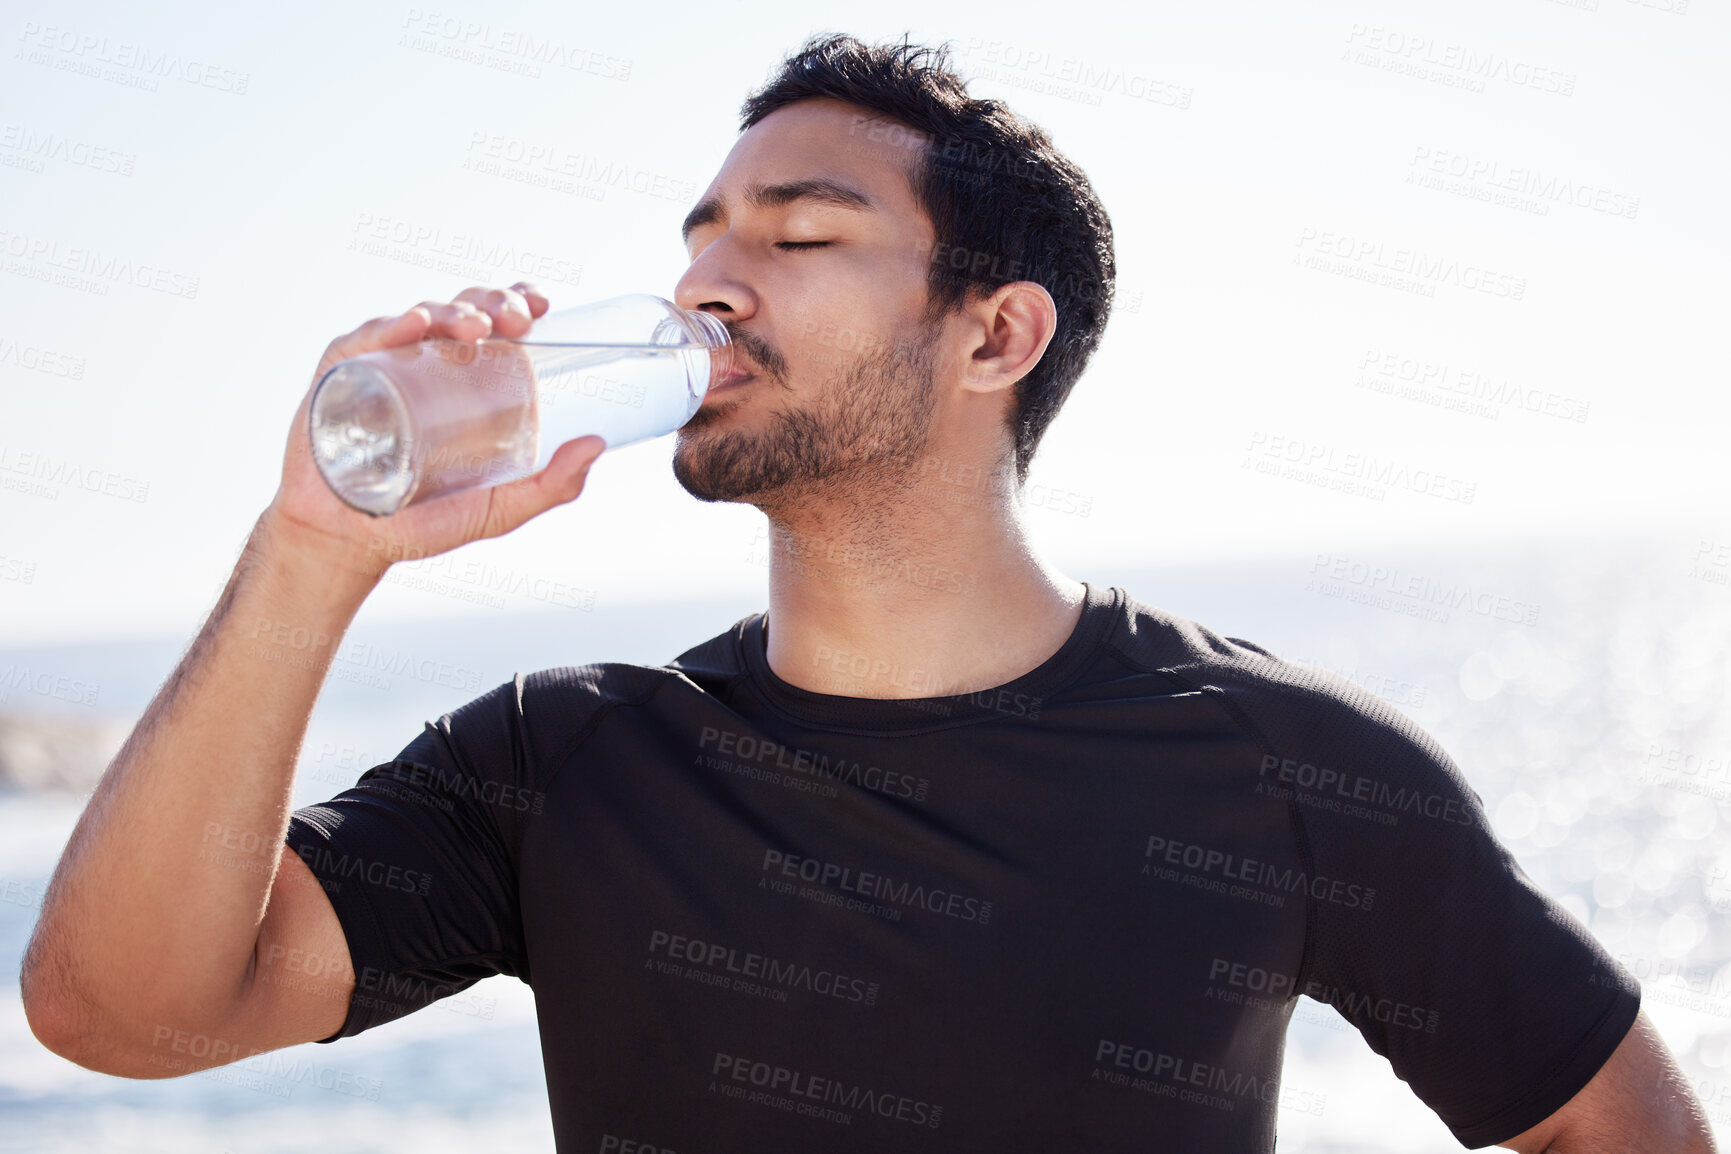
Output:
x=715 y=282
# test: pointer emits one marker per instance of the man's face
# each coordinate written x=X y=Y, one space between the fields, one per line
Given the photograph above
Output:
x=812 y=247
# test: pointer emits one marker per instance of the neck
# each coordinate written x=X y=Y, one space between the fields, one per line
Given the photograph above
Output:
x=925 y=587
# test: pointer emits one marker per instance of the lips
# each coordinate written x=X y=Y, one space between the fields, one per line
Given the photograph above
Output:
x=731 y=369
x=731 y=377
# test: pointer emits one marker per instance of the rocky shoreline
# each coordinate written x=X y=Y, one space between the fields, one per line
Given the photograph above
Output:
x=40 y=751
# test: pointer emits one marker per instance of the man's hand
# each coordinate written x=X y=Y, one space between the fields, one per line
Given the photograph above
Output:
x=306 y=511
x=1638 y=1103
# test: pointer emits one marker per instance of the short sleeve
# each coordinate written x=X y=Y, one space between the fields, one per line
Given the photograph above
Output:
x=417 y=861
x=1488 y=998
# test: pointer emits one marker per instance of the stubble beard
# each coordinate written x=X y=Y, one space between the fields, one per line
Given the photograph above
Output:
x=865 y=428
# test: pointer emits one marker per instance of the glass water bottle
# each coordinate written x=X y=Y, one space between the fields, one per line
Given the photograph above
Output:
x=403 y=425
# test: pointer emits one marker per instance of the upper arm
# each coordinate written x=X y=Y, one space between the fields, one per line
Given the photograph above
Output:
x=1639 y=1100
x=417 y=864
x=1487 y=998
x=402 y=889
x=301 y=977
x=296 y=988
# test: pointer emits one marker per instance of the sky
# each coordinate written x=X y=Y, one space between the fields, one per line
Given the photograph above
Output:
x=1389 y=274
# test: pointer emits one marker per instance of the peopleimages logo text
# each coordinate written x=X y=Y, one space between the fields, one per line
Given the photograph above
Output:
x=1356 y=787
x=781 y=1079
x=1249 y=870
x=877 y=886
x=751 y=748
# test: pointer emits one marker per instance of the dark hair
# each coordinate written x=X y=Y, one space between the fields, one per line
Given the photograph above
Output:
x=1005 y=204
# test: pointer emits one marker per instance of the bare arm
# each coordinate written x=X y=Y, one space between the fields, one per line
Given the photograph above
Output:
x=152 y=917
x=1638 y=1103
x=175 y=934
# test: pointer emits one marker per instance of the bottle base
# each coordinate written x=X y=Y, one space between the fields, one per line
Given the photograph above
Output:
x=361 y=438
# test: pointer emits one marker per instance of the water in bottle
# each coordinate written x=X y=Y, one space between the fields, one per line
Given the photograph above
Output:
x=403 y=425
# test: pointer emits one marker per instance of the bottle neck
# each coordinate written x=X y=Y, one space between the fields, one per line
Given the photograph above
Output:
x=707 y=328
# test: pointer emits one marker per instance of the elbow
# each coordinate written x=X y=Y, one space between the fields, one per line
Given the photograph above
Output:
x=48 y=1009
x=70 y=1026
x=68 y=1032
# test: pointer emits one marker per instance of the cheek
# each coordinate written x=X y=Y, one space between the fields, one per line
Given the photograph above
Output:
x=832 y=346
x=828 y=328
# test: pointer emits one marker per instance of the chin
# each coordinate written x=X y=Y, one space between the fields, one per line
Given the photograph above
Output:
x=694 y=459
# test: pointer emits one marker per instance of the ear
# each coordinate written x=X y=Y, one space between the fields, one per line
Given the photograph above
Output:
x=1017 y=322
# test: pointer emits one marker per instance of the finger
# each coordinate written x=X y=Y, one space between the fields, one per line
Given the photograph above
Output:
x=507 y=308
x=537 y=300
x=380 y=333
x=559 y=482
x=457 y=320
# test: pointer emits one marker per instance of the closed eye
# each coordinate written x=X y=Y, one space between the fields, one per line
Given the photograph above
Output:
x=800 y=245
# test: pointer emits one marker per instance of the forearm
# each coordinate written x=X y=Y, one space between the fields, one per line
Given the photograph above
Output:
x=153 y=912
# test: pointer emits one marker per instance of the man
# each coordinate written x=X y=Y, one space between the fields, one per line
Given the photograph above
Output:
x=946 y=851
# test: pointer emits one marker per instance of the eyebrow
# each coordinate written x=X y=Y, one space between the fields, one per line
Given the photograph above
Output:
x=710 y=209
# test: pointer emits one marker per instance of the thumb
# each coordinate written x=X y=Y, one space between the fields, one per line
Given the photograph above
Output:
x=558 y=483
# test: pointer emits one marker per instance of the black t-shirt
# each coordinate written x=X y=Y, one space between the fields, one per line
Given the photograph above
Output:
x=1070 y=913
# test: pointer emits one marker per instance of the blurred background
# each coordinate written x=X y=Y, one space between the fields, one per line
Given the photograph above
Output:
x=1417 y=373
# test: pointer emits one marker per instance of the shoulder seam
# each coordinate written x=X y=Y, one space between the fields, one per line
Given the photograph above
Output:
x=589 y=726
x=1300 y=836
